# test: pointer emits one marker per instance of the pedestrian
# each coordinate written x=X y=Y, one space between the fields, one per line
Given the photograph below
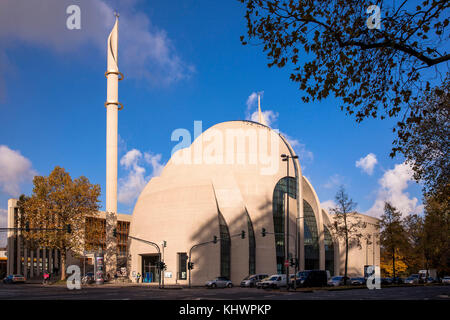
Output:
x=46 y=275
x=138 y=276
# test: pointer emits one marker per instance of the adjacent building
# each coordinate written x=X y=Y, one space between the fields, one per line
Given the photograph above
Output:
x=33 y=262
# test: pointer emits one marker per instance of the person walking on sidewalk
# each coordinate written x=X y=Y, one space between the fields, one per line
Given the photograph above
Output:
x=46 y=276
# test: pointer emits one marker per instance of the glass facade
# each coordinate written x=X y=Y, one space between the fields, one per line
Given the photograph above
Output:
x=311 y=238
x=182 y=267
x=225 y=248
x=329 y=250
x=251 y=246
x=278 y=210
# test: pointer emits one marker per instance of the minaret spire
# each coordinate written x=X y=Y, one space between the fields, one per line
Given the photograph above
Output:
x=260 y=115
x=112 y=105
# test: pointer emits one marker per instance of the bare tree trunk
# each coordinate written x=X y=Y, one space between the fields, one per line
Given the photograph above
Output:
x=346 y=260
x=346 y=250
x=393 y=261
x=63 y=264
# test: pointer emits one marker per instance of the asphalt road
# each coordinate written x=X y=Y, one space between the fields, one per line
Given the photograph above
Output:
x=143 y=292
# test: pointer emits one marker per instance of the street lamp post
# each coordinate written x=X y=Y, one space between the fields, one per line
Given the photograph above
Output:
x=286 y=157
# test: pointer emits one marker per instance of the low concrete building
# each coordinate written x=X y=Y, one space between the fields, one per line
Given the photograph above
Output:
x=33 y=262
x=230 y=180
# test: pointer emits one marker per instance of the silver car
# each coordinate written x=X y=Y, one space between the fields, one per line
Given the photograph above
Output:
x=251 y=281
x=337 y=281
x=219 y=282
x=412 y=279
x=446 y=280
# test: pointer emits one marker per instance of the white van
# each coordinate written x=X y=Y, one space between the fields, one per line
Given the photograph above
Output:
x=275 y=281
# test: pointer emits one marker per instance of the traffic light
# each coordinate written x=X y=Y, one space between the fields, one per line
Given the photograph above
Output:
x=69 y=228
x=27 y=226
x=242 y=234
x=164 y=243
x=215 y=239
x=162 y=265
x=263 y=232
x=292 y=262
x=190 y=265
x=115 y=233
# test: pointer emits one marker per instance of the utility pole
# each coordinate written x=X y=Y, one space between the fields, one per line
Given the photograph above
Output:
x=286 y=157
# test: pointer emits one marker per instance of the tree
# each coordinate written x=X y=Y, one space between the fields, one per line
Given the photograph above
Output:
x=437 y=235
x=385 y=72
x=347 y=225
x=414 y=253
x=387 y=267
x=392 y=234
x=56 y=203
x=425 y=141
x=369 y=68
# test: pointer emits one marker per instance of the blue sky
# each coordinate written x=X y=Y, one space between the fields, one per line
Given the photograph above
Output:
x=182 y=61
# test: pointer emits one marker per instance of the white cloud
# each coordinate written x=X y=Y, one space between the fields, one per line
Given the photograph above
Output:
x=3 y=224
x=271 y=117
x=268 y=115
x=333 y=181
x=155 y=162
x=327 y=205
x=299 y=148
x=145 y=51
x=393 y=185
x=252 y=101
x=134 y=163
x=15 y=169
x=367 y=163
x=252 y=109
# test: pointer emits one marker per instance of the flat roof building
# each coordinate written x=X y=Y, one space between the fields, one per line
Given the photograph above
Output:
x=32 y=262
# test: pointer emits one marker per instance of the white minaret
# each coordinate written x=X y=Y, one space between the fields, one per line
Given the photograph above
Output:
x=260 y=115
x=112 y=107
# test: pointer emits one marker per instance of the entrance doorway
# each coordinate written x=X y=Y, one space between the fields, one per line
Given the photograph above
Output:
x=150 y=268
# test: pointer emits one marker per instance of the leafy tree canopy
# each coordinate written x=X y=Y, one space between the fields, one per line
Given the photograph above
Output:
x=376 y=72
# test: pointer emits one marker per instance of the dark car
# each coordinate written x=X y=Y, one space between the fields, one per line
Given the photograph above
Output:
x=310 y=278
x=358 y=281
x=386 y=281
x=398 y=280
x=14 y=278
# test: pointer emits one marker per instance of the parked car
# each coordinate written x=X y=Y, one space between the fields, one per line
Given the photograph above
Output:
x=275 y=281
x=398 y=280
x=446 y=280
x=251 y=280
x=428 y=280
x=412 y=279
x=358 y=281
x=259 y=283
x=14 y=278
x=386 y=281
x=310 y=278
x=338 y=281
x=219 y=282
